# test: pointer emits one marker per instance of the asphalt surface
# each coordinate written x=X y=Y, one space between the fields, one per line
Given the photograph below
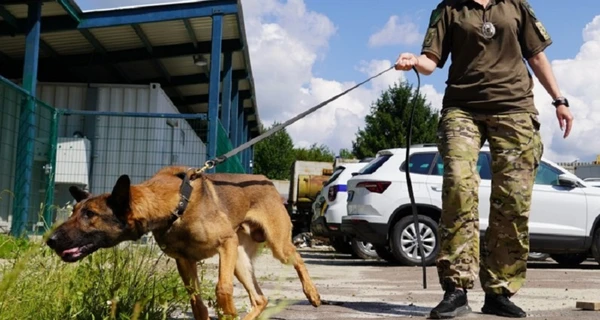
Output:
x=359 y=289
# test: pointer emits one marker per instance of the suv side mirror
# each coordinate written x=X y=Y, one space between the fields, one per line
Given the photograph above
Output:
x=567 y=181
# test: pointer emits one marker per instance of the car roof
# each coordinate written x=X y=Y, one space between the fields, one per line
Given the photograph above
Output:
x=432 y=147
x=351 y=165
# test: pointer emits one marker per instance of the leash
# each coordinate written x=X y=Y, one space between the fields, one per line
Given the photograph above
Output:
x=409 y=181
x=186 y=187
x=220 y=159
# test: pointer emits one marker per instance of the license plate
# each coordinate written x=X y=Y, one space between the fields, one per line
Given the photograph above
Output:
x=350 y=195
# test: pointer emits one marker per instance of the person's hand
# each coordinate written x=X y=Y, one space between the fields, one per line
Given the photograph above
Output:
x=406 y=61
x=565 y=119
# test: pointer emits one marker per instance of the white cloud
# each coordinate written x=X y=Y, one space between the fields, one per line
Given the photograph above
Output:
x=432 y=96
x=579 y=80
x=284 y=48
x=396 y=32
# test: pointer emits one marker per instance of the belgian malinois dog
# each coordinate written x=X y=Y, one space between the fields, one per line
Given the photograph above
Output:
x=228 y=214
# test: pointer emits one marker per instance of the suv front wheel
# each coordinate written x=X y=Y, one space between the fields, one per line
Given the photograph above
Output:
x=404 y=243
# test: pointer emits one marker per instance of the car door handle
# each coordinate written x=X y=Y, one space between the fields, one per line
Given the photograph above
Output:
x=436 y=188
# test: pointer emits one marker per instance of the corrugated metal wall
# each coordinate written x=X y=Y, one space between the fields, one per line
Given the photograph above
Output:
x=123 y=145
x=186 y=147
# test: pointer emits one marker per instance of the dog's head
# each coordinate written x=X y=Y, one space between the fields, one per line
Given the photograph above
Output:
x=97 y=222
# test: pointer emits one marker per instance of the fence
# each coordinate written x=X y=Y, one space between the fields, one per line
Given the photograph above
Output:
x=15 y=174
x=233 y=164
x=90 y=149
x=95 y=148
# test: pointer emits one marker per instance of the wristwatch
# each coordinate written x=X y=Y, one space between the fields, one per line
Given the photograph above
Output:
x=560 y=101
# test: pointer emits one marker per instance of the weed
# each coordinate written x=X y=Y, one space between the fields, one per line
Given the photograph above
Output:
x=128 y=282
x=10 y=246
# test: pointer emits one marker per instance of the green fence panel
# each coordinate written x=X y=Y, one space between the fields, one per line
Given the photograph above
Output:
x=40 y=189
x=233 y=164
x=90 y=149
x=95 y=148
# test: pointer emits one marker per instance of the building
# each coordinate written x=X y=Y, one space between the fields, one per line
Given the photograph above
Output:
x=87 y=96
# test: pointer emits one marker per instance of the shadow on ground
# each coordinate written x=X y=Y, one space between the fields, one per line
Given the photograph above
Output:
x=365 y=308
x=552 y=265
x=332 y=258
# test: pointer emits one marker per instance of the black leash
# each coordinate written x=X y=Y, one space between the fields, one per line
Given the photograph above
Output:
x=409 y=181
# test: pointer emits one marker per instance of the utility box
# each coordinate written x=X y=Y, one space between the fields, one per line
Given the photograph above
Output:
x=73 y=156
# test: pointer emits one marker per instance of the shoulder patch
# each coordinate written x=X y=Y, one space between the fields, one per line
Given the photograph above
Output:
x=542 y=30
x=529 y=8
x=431 y=33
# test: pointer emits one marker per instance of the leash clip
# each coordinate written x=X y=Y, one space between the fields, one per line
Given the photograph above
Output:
x=207 y=165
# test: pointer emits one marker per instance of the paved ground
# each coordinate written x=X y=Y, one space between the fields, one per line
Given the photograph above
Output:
x=360 y=289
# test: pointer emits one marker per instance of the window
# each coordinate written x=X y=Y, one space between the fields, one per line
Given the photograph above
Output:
x=374 y=164
x=420 y=163
x=483 y=166
x=335 y=175
x=547 y=175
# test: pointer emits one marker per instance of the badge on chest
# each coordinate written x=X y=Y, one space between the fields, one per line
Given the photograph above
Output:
x=488 y=30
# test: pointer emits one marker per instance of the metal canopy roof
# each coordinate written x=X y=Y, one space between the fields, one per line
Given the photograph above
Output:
x=133 y=45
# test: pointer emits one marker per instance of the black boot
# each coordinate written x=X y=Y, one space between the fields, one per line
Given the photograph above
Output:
x=454 y=304
x=500 y=305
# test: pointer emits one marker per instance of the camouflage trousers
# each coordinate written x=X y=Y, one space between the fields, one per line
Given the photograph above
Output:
x=516 y=150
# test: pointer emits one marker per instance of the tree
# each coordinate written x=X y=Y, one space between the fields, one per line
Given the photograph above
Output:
x=315 y=153
x=385 y=126
x=273 y=156
x=346 y=154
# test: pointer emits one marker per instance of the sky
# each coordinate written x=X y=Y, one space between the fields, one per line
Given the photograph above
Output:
x=305 y=51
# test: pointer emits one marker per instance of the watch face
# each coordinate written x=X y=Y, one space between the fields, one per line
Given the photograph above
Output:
x=560 y=101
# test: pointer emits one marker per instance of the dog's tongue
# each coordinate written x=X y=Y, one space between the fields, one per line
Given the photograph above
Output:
x=73 y=251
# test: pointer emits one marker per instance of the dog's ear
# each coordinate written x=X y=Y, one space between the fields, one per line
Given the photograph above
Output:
x=78 y=193
x=120 y=195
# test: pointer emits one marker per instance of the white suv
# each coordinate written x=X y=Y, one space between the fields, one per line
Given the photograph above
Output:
x=330 y=207
x=564 y=218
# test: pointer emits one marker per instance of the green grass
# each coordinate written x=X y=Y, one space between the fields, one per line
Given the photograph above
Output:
x=10 y=247
x=133 y=282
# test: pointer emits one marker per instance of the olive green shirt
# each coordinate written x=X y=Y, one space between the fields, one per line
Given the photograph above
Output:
x=486 y=75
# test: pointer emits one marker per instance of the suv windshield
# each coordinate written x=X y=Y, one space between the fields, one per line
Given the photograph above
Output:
x=374 y=164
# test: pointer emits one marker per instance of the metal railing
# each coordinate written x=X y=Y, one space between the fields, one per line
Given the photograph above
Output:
x=90 y=149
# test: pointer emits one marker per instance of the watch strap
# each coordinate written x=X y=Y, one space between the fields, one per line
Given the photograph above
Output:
x=560 y=101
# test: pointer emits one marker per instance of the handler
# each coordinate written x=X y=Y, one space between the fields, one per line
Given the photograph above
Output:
x=488 y=97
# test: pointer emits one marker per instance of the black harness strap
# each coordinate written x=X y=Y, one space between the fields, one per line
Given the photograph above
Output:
x=185 y=192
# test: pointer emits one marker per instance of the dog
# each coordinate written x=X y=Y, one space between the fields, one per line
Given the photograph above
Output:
x=227 y=214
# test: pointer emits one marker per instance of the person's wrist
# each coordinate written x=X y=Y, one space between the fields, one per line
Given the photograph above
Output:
x=416 y=60
x=560 y=101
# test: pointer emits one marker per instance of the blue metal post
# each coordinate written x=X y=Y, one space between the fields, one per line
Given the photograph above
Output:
x=214 y=85
x=251 y=170
x=226 y=94
x=235 y=110
x=240 y=133
x=245 y=139
x=26 y=133
x=240 y=130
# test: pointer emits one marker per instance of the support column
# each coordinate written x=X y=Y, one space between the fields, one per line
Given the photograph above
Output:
x=26 y=133
x=226 y=93
x=249 y=150
x=235 y=110
x=240 y=130
x=251 y=159
x=214 y=85
x=245 y=139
